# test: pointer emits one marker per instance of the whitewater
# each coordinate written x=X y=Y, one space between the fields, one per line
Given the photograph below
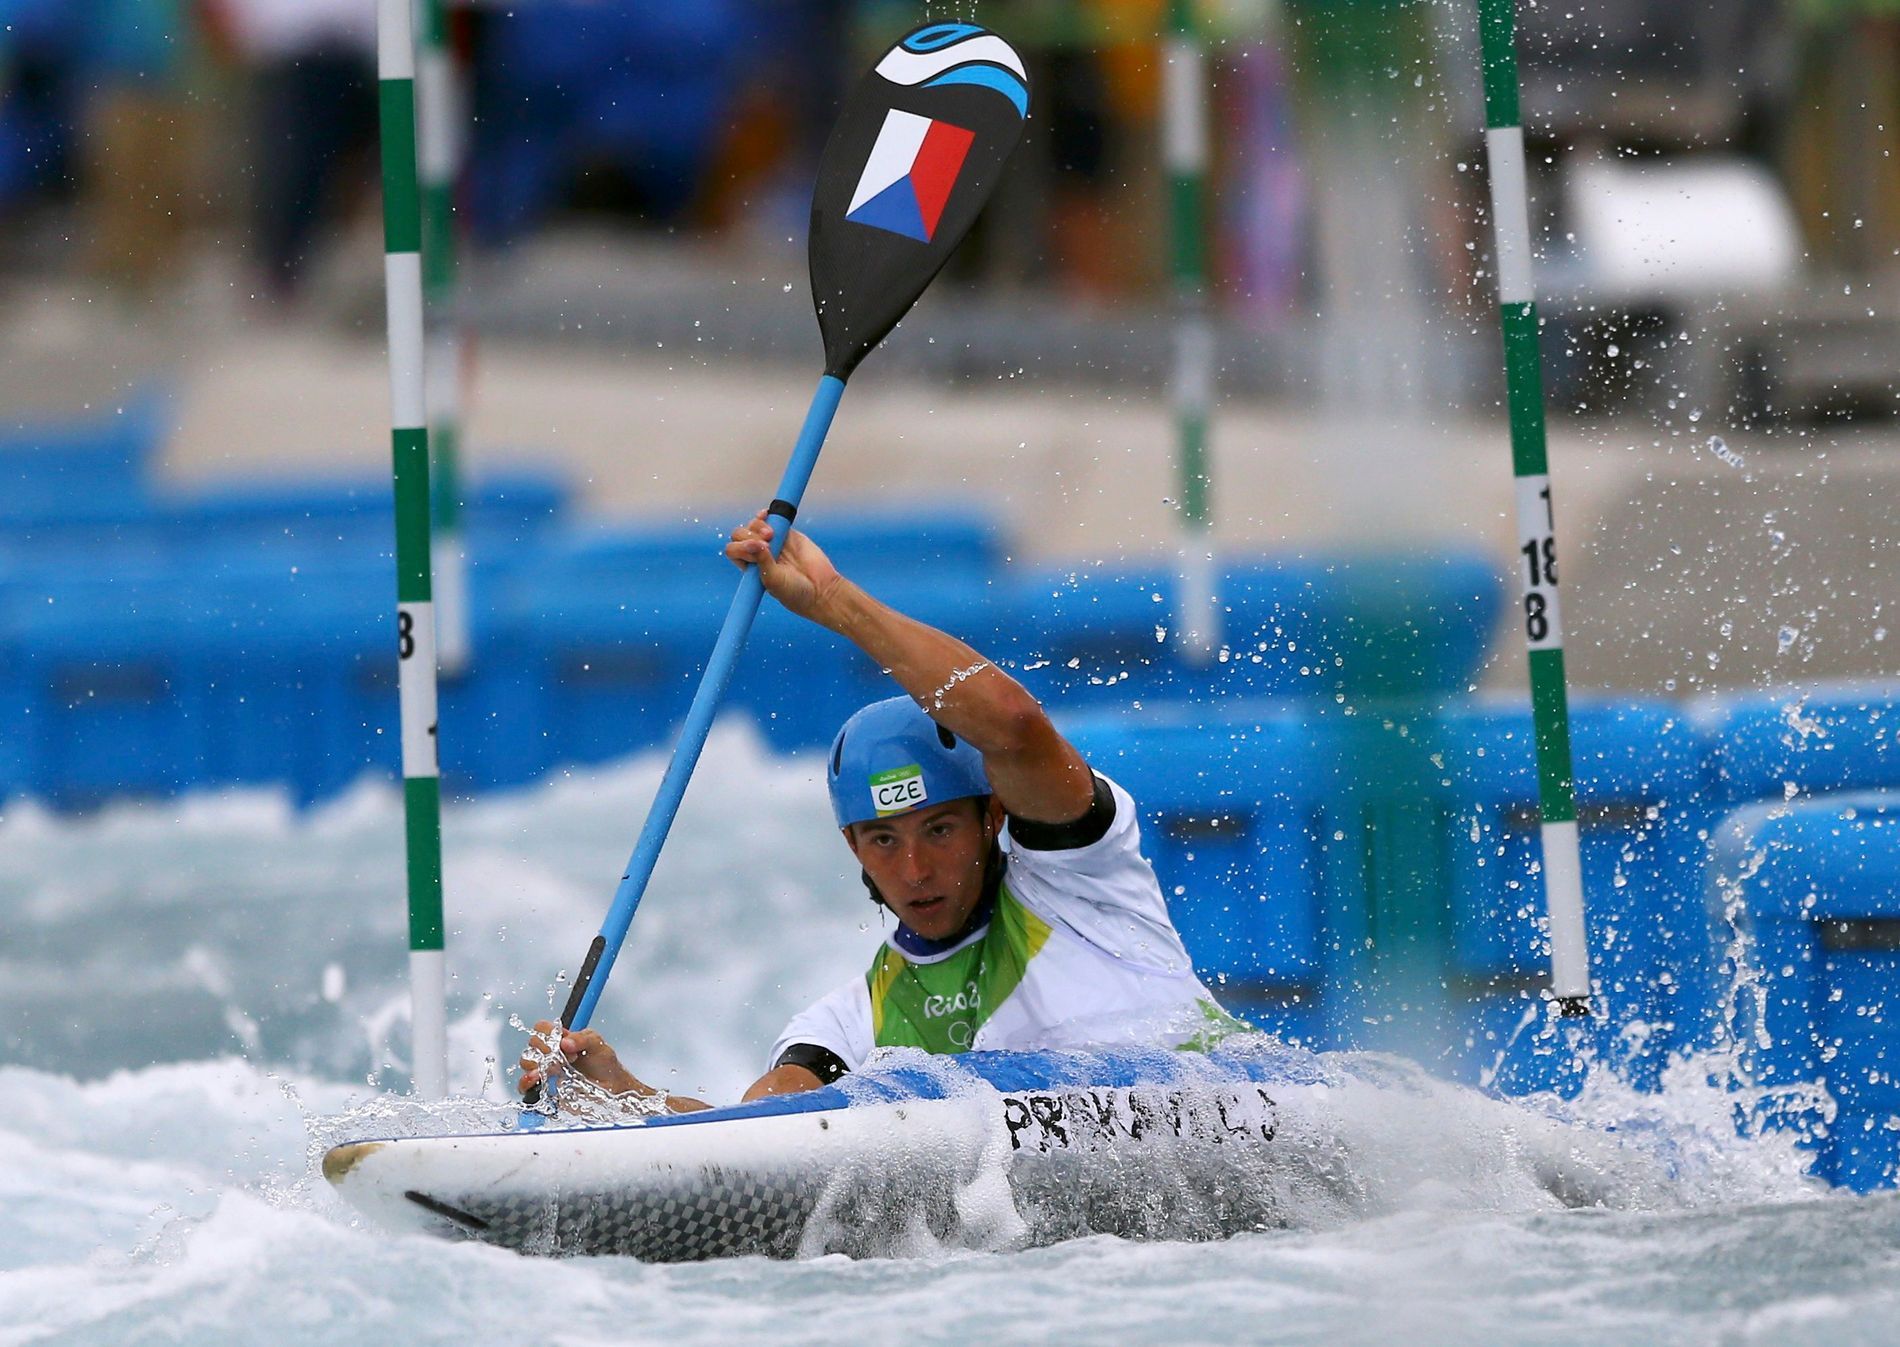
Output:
x=197 y=997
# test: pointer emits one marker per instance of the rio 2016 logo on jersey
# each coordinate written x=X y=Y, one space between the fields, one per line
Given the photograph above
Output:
x=897 y=790
x=910 y=174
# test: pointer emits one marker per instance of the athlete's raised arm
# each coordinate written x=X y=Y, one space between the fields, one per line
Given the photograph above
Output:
x=1035 y=772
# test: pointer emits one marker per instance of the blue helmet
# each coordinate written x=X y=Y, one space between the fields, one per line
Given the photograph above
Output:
x=891 y=758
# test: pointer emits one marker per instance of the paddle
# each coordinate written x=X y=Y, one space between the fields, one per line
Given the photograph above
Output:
x=917 y=149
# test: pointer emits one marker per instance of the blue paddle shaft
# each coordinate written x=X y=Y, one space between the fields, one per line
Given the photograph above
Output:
x=712 y=688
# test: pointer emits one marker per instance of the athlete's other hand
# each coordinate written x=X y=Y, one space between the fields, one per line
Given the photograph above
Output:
x=801 y=578
x=585 y=1051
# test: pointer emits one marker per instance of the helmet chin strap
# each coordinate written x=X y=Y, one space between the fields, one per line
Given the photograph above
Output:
x=992 y=876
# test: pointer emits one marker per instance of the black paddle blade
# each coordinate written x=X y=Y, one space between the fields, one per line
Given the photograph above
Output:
x=917 y=149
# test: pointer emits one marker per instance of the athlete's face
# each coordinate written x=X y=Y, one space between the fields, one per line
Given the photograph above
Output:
x=929 y=864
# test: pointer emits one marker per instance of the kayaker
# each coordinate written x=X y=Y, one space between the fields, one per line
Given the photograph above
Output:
x=1027 y=916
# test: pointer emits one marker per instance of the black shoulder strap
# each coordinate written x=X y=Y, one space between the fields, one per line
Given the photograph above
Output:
x=1092 y=827
x=821 y=1062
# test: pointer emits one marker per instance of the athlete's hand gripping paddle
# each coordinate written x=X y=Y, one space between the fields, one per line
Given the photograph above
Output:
x=917 y=149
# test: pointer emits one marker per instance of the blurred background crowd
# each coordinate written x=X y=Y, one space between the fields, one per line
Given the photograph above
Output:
x=190 y=223
x=136 y=135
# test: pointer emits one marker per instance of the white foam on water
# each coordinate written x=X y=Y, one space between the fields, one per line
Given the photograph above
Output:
x=159 y=1175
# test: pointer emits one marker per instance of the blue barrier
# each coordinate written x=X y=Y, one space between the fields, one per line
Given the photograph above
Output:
x=609 y=626
x=1812 y=891
x=494 y=719
x=1788 y=743
x=578 y=656
x=605 y=673
x=122 y=521
x=113 y=696
x=93 y=468
x=266 y=612
x=594 y=674
x=1083 y=639
x=1386 y=625
x=501 y=509
x=629 y=615
x=874 y=545
x=17 y=703
x=235 y=635
x=150 y=681
x=302 y=685
x=1638 y=770
x=1233 y=818
x=1405 y=624
x=800 y=682
x=937 y=540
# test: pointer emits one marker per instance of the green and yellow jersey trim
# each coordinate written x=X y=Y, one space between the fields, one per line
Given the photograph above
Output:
x=940 y=1006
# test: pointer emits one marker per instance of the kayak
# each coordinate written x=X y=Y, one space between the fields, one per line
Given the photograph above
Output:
x=1025 y=1147
x=914 y=1153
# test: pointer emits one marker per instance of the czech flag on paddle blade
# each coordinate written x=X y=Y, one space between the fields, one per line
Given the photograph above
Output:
x=909 y=177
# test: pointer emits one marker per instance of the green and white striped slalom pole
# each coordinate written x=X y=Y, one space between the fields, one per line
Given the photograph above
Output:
x=1536 y=519
x=1184 y=147
x=439 y=120
x=415 y=610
